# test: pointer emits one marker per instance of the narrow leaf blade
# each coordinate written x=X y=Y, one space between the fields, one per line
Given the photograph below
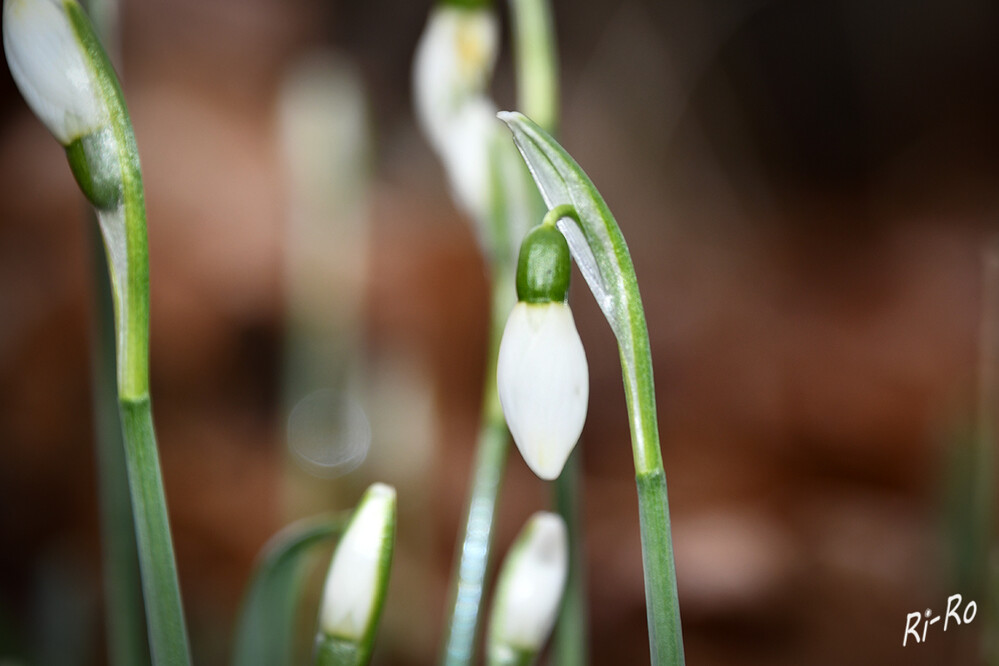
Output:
x=266 y=627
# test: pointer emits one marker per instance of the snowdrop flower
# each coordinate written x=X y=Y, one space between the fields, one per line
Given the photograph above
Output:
x=529 y=590
x=451 y=71
x=541 y=374
x=453 y=64
x=51 y=67
x=358 y=575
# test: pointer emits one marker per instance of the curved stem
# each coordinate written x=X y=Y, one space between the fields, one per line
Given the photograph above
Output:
x=125 y=617
x=600 y=251
x=124 y=229
x=662 y=604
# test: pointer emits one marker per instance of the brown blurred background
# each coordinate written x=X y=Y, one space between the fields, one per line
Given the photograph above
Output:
x=806 y=187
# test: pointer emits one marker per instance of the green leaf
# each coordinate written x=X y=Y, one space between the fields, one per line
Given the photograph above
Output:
x=266 y=625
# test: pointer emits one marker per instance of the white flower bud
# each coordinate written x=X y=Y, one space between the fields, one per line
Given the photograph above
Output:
x=453 y=64
x=467 y=156
x=530 y=587
x=543 y=383
x=51 y=68
x=355 y=585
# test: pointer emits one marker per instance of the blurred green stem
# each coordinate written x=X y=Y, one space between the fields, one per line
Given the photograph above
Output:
x=536 y=61
x=475 y=542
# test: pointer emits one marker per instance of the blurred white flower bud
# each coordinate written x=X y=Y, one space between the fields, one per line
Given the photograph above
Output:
x=358 y=574
x=51 y=68
x=529 y=590
x=467 y=156
x=543 y=383
x=453 y=64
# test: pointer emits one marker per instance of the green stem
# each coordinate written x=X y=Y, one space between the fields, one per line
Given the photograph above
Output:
x=536 y=61
x=130 y=282
x=123 y=222
x=490 y=462
x=125 y=624
x=662 y=602
x=167 y=632
x=662 y=609
x=571 y=631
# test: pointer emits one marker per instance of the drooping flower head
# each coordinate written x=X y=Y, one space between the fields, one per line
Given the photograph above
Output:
x=542 y=375
x=453 y=64
x=452 y=69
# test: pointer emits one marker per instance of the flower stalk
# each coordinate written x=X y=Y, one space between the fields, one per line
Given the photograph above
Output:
x=65 y=76
x=125 y=616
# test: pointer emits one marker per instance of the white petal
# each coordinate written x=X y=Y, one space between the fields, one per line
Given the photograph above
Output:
x=531 y=585
x=543 y=383
x=355 y=572
x=453 y=63
x=50 y=68
x=466 y=157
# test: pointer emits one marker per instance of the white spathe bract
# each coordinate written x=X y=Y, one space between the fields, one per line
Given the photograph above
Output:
x=50 y=68
x=531 y=585
x=543 y=383
x=453 y=64
x=355 y=576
